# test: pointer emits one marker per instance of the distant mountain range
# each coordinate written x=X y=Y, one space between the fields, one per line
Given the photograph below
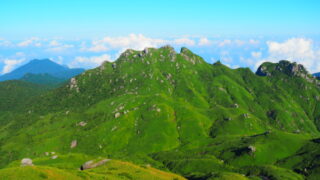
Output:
x=42 y=71
x=317 y=75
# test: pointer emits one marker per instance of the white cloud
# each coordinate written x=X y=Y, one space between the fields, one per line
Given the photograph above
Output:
x=236 y=42
x=9 y=64
x=224 y=42
x=204 y=42
x=54 y=43
x=92 y=61
x=225 y=57
x=184 y=41
x=25 y=43
x=60 y=48
x=60 y=60
x=239 y=42
x=249 y=61
x=38 y=44
x=300 y=50
x=5 y=43
x=98 y=47
x=29 y=42
x=133 y=41
x=254 y=42
x=256 y=54
x=20 y=54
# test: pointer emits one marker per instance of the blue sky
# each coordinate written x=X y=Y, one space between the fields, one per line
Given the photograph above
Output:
x=82 y=33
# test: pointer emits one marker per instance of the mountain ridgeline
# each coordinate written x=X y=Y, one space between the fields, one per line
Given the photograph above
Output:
x=175 y=112
x=44 y=67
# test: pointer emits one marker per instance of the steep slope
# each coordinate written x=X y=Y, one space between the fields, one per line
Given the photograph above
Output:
x=14 y=93
x=39 y=67
x=175 y=111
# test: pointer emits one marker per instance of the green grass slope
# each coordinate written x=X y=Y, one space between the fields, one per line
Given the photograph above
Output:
x=43 y=79
x=176 y=112
x=14 y=93
x=67 y=167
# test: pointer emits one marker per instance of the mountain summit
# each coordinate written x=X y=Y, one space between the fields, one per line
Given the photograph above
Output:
x=44 y=66
x=284 y=66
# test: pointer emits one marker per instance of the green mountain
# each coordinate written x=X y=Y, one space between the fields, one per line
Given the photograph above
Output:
x=43 y=79
x=14 y=94
x=174 y=112
x=44 y=66
x=317 y=75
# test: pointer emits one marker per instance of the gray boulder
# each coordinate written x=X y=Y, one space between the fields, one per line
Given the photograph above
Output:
x=93 y=164
x=26 y=162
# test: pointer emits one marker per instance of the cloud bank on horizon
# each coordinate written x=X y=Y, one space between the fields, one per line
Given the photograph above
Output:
x=235 y=52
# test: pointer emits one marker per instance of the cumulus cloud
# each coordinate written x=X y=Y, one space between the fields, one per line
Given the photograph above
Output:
x=239 y=42
x=204 y=42
x=34 y=41
x=133 y=41
x=254 y=42
x=256 y=54
x=98 y=47
x=93 y=61
x=236 y=42
x=225 y=57
x=5 y=43
x=9 y=64
x=20 y=54
x=224 y=42
x=60 y=48
x=137 y=42
x=54 y=43
x=300 y=50
x=184 y=41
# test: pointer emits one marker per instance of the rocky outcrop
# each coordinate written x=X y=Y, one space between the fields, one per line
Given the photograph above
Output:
x=82 y=124
x=262 y=71
x=73 y=144
x=92 y=164
x=26 y=162
x=285 y=67
x=74 y=84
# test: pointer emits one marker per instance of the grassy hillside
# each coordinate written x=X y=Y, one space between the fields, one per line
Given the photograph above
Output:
x=66 y=167
x=14 y=94
x=175 y=112
x=43 y=79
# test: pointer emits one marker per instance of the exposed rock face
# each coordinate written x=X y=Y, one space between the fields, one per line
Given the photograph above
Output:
x=73 y=84
x=117 y=115
x=114 y=65
x=285 y=67
x=91 y=164
x=188 y=55
x=228 y=119
x=26 y=162
x=252 y=148
x=262 y=71
x=170 y=48
x=245 y=150
x=82 y=123
x=103 y=65
x=73 y=144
